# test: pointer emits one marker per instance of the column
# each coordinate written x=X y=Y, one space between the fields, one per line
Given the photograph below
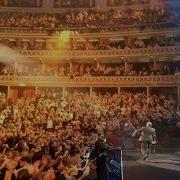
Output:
x=126 y=64
x=101 y=4
x=90 y=91
x=36 y=90
x=119 y=90
x=147 y=91
x=4 y=3
x=8 y=92
x=91 y=3
x=42 y=63
x=70 y=67
x=178 y=94
x=38 y=3
x=48 y=4
x=97 y=65
x=110 y=2
x=15 y=66
x=63 y=91
x=155 y=64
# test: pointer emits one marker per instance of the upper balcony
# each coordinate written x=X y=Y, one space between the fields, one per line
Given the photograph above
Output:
x=97 y=20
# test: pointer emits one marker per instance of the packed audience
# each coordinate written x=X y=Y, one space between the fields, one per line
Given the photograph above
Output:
x=76 y=43
x=125 y=70
x=126 y=43
x=91 y=18
x=45 y=136
x=89 y=70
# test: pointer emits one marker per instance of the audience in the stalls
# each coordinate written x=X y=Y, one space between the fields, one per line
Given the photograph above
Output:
x=45 y=136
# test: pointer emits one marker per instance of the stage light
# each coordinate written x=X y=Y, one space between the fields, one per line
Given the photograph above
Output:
x=64 y=38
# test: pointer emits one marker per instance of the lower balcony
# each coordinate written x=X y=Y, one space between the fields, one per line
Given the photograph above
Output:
x=116 y=81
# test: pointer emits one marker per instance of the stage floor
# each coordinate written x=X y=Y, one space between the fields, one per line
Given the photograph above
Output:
x=162 y=165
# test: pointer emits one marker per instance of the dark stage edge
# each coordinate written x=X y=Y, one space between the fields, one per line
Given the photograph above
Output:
x=162 y=165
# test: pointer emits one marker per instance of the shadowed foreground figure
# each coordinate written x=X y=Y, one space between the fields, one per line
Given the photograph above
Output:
x=101 y=161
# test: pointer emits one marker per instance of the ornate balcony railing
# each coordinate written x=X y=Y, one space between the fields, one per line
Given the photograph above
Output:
x=44 y=33
x=116 y=53
x=96 y=29
x=63 y=10
x=127 y=81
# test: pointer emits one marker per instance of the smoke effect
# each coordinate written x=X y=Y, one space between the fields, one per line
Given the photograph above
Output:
x=9 y=56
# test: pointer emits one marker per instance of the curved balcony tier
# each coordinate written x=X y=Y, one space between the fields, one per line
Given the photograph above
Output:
x=123 y=81
x=121 y=30
x=91 y=54
x=44 y=33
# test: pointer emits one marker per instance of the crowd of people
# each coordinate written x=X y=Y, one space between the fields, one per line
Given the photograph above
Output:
x=45 y=136
x=90 y=18
x=27 y=20
x=86 y=44
x=48 y=135
x=89 y=70
x=124 y=70
x=126 y=43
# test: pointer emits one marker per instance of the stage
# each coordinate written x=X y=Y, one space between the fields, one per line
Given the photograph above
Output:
x=162 y=165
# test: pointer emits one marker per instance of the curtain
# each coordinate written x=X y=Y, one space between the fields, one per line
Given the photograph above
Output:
x=14 y=94
x=28 y=92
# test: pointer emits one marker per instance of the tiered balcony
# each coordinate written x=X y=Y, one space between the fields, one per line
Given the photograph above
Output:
x=76 y=54
x=116 y=81
x=44 y=33
x=57 y=8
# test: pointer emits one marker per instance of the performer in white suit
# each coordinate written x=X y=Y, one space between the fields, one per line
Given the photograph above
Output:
x=147 y=138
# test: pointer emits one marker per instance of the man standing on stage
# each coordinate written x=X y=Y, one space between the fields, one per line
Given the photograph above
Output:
x=147 y=138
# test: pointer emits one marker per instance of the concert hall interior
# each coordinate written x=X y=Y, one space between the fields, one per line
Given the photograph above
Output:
x=89 y=89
